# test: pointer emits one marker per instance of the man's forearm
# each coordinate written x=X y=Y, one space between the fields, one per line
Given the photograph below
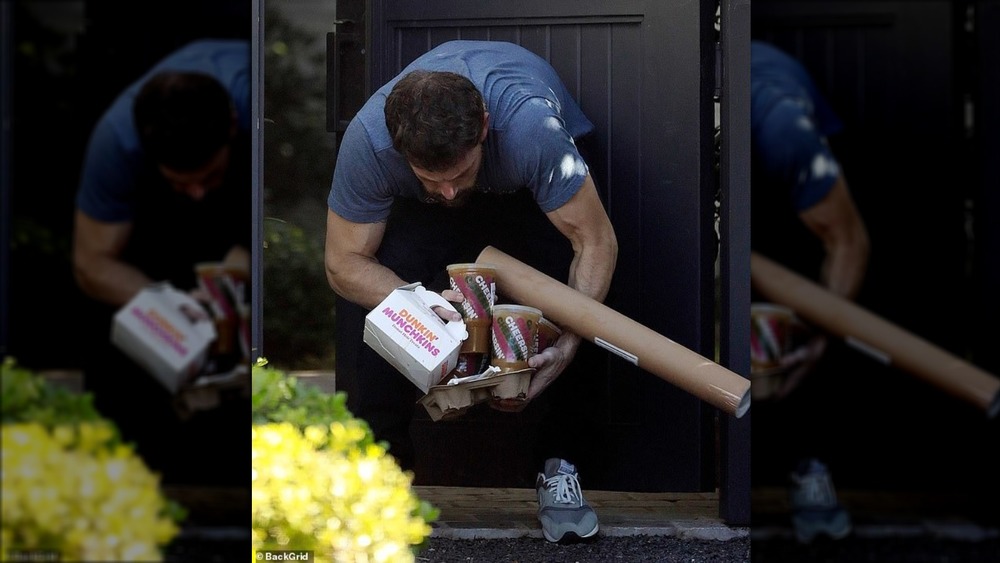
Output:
x=844 y=268
x=111 y=281
x=592 y=268
x=362 y=281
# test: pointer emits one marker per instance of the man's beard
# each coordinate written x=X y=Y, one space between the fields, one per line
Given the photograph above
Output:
x=460 y=199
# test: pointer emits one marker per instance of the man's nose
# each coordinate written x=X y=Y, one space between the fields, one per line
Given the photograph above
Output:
x=448 y=191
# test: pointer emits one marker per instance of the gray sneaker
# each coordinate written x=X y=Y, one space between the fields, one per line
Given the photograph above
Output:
x=815 y=509
x=561 y=509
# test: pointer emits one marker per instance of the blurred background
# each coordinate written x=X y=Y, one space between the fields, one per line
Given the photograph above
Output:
x=68 y=61
x=914 y=82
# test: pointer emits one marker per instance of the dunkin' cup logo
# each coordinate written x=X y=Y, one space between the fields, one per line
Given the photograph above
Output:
x=512 y=338
x=478 y=292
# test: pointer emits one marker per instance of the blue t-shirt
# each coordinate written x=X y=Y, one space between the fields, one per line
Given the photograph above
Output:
x=530 y=142
x=789 y=124
x=114 y=158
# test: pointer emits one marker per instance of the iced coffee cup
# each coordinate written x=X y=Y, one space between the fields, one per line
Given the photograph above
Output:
x=774 y=332
x=514 y=336
x=476 y=283
x=548 y=333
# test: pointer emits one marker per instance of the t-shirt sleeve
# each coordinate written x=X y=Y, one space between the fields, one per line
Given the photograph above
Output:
x=108 y=176
x=360 y=191
x=547 y=159
x=239 y=89
x=795 y=154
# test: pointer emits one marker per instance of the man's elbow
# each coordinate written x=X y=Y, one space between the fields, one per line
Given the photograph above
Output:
x=84 y=276
x=335 y=276
x=610 y=243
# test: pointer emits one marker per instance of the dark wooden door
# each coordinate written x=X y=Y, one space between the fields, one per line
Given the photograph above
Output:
x=643 y=72
x=915 y=84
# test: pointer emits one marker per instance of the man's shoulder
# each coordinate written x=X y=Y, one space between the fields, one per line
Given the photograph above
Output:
x=211 y=45
x=214 y=56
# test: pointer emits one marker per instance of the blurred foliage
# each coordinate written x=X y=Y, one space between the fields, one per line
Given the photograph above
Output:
x=27 y=397
x=298 y=151
x=109 y=507
x=298 y=303
x=299 y=313
x=31 y=236
x=46 y=71
x=322 y=483
x=278 y=397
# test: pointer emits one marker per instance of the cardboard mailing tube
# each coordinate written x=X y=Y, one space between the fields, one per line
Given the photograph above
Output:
x=613 y=331
x=874 y=335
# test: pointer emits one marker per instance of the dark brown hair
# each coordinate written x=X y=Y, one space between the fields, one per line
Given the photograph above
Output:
x=434 y=118
x=183 y=118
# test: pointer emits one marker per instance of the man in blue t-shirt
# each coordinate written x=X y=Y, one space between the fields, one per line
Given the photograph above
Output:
x=804 y=217
x=174 y=141
x=799 y=186
x=474 y=143
x=165 y=185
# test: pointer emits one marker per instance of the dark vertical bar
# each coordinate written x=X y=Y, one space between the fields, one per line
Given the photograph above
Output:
x=734 y=489
x=332 y=82
x=345 y=56
x=257 y=136
x=987 y=218
x=6 y=93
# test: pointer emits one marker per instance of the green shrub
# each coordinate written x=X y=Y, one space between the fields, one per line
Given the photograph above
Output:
x=322 y=483
x=71 y=487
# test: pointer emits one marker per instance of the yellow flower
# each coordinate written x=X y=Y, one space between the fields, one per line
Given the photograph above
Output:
x=71 y=490
x=341 y=501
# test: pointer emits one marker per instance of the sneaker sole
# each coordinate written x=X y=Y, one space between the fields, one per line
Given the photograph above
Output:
x=806 y=534
x=569 y=537
x=808 y=538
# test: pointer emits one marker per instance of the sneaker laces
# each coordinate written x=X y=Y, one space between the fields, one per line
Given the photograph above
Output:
x=815 y=489
x=565 y=488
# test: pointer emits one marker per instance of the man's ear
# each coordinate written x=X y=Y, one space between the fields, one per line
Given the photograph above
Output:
x=486 y=127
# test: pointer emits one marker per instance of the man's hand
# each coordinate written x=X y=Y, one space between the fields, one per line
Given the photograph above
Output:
x=454 y=297
x=551 y=362
x=548 y=365
x=238 y=258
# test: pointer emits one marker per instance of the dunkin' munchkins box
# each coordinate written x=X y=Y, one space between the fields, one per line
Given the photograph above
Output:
x=162 y=332
x=408 y=334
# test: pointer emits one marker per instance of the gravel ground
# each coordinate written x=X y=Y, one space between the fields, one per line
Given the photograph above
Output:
x=659 y=549
x=632 y=549
x=635 y=549
x=881 y=550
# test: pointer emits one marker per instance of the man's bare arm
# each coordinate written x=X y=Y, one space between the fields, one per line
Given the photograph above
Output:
x=351 y=267
x=97 y=267
x=585 y=223
x=836 y=221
